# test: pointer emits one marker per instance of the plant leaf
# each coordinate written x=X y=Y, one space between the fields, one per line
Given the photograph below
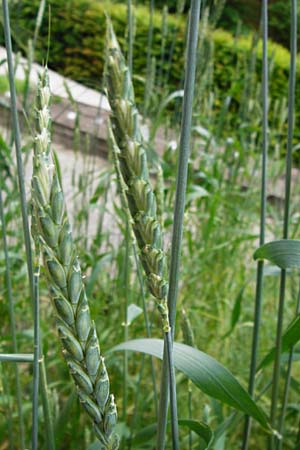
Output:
x=205 y=372
x=284 y=253
x=133 y=311
x=200 y=428
x=290 y=337
x=236 y=312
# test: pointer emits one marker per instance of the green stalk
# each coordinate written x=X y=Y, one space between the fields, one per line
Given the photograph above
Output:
x=263 y=203
x=126 y=282
x=130 y=36
x=37 y=354
x=13 y=328
x=148 y=333
x=17 y=139
x=164 y=33
x=49 y=428
x=287 y=384
x=188 y=339
x=148 y=64
x=190 y=413
x=179 y=207
x=291 y=103
x=168 y=345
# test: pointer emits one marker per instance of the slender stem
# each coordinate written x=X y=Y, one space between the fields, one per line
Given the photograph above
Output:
x=130 y=36
x=179 y=206
x=172 y=383
x=49 y=429
x=164 y=33
x=17 y=139
x=287 y=383
x=263 y=202
x=149 y=54
x=37 y=354
x=163 y=404
x=148 y=332
x=291 y=103
x=190 y=413
x=12 y=318
x=126 y=283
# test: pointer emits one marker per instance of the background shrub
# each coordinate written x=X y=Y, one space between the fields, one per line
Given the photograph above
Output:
x=77 y=46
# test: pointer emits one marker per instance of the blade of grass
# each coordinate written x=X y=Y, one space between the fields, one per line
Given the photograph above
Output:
x=16 y=357
x=263 y=203
x=178 y=218
x=13 y=327
x=291 y=107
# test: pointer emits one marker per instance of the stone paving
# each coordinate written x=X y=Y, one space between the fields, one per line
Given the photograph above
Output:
x=93 y=109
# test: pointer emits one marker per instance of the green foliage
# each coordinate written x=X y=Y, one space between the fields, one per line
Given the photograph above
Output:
x=248 y=13
x=205 y=372
x=77 y=46
x=284 y=253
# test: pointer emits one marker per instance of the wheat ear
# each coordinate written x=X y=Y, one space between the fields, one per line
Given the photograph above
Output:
x=75 y=328
x=128 y=146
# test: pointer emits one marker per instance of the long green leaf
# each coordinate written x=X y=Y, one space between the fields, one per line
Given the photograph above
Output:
x=205 y=372
x=200 y=428
x=289 y=339
x=285 y=253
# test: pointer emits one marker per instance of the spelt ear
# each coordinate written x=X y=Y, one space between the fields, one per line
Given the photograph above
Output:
x=51 y=229
x=131 y=162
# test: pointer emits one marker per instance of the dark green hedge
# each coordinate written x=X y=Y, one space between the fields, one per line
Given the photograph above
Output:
x=78 y=34
x=77 y=45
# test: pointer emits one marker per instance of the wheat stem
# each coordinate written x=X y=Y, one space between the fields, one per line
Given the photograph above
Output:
x=181 y=190
x=263 y=202
x=17 y=140
x=12 y=318
x=291 y=111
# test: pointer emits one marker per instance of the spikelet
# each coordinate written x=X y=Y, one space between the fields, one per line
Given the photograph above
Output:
x=128 y=149
x=76 y=330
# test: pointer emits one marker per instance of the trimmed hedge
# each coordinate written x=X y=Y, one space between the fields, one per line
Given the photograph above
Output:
x=78 y=35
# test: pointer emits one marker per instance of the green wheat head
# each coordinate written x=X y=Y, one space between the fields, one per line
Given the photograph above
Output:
x=51 y=231
x=127 y=145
